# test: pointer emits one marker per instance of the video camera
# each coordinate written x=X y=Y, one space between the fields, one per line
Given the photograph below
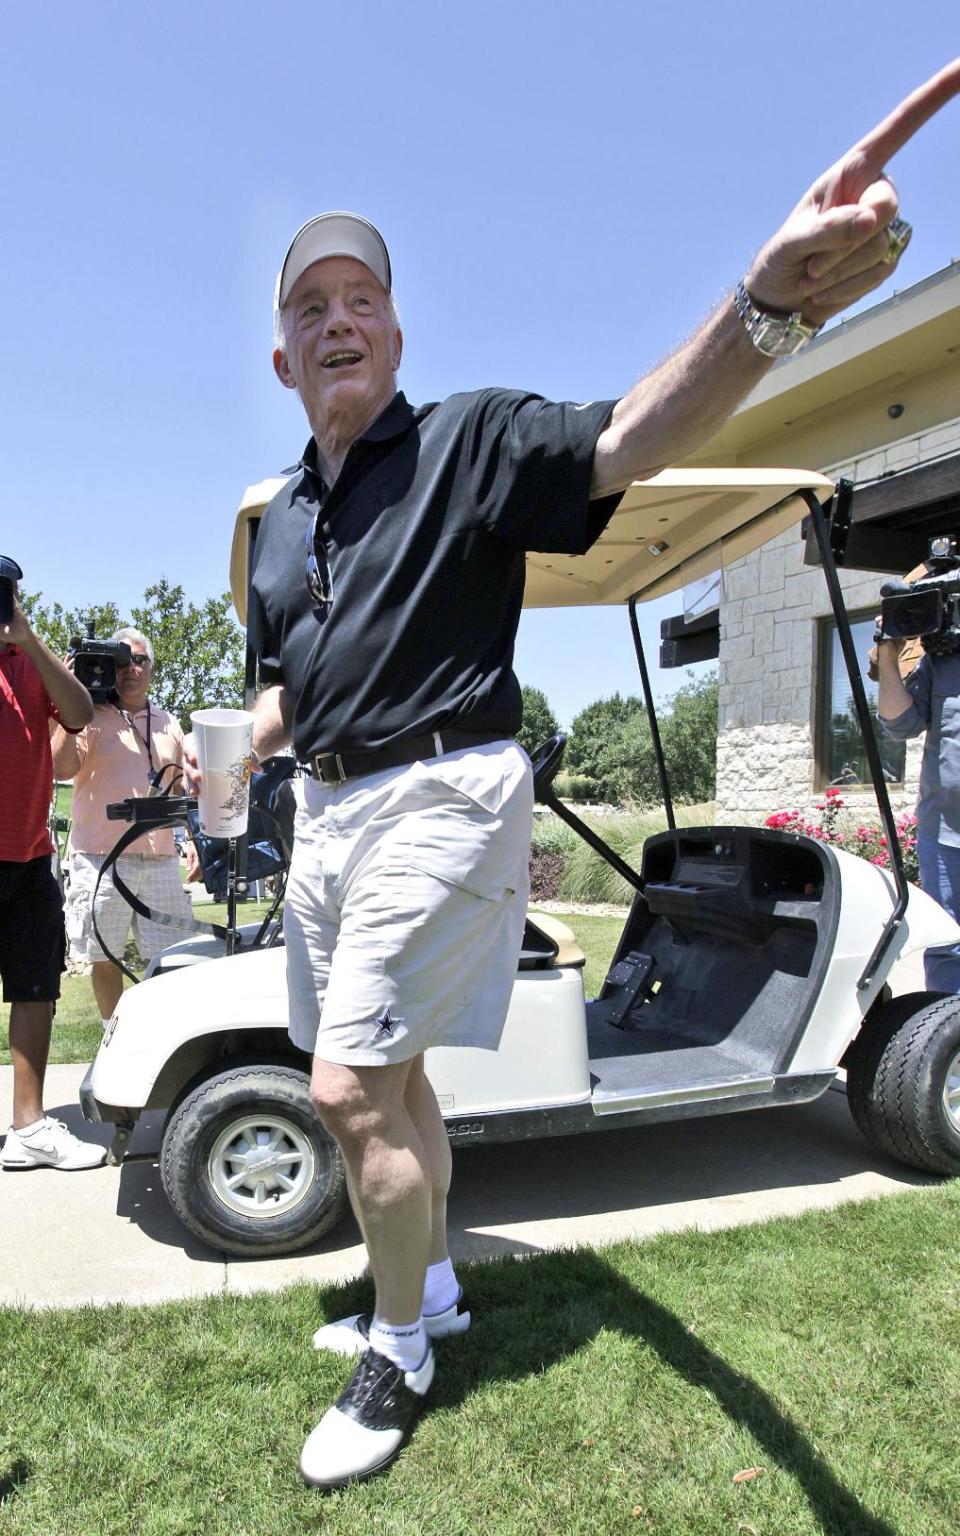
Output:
x=10 y=574
x=929 y=608
x=95 y=664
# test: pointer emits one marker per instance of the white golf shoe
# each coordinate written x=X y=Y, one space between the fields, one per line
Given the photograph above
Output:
x=370 y=1423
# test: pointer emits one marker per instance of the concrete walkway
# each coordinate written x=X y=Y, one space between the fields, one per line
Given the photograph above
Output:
x=108 y=1235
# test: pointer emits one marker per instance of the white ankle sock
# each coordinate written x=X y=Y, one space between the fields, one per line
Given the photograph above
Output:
x=33 y=1127
x=440 y=1289
x=405 y=1344
x=106 y=1021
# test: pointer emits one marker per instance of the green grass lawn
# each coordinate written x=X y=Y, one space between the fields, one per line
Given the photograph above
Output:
x=614 y=1391
x=77 y=1031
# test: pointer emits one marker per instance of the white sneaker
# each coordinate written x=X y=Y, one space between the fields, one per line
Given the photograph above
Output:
x=369 y=1424
x=48 y=1144
x=350 y=1335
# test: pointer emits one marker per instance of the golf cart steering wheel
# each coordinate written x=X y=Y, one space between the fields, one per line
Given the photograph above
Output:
x=545 y=763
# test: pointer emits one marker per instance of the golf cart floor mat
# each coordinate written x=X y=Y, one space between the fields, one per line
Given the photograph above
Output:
x=734 y=931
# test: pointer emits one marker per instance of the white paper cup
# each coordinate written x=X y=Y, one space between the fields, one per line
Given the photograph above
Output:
x=222 y=738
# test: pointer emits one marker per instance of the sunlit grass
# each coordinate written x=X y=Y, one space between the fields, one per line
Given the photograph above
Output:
x=615 y=1391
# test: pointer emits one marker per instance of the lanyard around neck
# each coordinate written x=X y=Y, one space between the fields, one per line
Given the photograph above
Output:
x=146 y=740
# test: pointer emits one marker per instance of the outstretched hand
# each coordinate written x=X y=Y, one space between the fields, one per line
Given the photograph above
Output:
x=834 y=247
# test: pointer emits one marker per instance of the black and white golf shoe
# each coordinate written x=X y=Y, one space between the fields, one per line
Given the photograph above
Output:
x=349 y=1335
x=369 y=1424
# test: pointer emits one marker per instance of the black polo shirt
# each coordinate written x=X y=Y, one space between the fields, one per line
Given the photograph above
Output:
x=424 y=533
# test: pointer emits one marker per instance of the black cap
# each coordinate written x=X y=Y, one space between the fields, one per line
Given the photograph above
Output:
x=10 y=569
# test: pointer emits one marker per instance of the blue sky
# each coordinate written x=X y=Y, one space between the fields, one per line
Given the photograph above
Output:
x=565 y=189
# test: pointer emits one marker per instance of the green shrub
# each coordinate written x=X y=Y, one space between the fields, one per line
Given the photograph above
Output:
x=576 y=786
x=551 y=835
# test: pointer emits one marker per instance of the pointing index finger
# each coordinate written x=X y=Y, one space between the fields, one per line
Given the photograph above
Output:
x=882 y=142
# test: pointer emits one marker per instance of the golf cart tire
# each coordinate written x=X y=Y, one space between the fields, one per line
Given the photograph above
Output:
x=896 y=1081
x=205 y=1144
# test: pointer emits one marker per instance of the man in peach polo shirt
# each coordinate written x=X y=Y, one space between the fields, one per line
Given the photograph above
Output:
x=131 y=747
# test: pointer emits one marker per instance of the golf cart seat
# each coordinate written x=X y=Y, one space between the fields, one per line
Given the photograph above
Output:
x=547 y=942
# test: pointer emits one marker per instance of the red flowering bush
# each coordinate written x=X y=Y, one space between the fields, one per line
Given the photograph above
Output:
x=833 y=826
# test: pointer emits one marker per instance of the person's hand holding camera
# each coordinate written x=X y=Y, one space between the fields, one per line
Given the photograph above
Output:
x=69 y=697
x=17 y=631
x=892 y=697
x=889 y=645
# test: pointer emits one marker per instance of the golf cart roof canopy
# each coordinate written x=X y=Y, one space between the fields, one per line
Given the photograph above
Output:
x=667 y=531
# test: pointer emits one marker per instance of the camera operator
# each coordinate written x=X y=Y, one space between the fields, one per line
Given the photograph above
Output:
x=131 y=748
x=929 y=700
x=35 y=687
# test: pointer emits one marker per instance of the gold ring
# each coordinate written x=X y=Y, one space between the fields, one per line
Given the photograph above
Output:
x=898 y=234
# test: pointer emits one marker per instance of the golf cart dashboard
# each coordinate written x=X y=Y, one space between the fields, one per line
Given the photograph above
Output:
x=739 y=882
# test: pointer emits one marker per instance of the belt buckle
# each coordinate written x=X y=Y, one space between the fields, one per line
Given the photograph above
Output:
x=323 y=759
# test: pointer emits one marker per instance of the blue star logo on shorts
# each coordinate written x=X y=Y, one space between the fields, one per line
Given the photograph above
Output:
x=385 y=1026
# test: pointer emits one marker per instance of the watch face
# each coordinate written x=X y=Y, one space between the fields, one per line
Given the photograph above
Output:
x=780 y=338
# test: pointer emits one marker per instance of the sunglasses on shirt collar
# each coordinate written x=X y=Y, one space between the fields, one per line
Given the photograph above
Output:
x=319 y=584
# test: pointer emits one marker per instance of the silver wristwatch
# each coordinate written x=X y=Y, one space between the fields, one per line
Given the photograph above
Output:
x=773 y=335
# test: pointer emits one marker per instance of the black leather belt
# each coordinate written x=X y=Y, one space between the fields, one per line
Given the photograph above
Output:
x=337 y=767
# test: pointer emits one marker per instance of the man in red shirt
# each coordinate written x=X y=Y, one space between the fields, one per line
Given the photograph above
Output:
x=35 y=687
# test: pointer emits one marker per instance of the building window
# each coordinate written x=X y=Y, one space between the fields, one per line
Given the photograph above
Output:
x=841 y=758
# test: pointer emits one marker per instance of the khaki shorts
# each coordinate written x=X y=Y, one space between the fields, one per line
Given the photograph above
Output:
x=405 y=906
x=157 y=883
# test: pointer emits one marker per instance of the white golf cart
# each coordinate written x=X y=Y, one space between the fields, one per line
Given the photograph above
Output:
x=751 y=967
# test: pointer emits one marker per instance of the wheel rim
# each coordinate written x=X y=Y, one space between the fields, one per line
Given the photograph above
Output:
x=951 y=1093
x=262 y=1166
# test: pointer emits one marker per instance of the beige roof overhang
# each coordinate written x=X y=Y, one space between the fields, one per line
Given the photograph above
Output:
x=664 y=533
x=666 y=530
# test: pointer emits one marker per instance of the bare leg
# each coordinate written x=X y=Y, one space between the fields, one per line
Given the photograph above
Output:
x=389 y=1176
x=107 y=981
x=425 y=1113
x=30 y=1026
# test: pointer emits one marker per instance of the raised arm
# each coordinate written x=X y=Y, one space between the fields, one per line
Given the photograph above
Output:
x=68 y=696
x=834 y=247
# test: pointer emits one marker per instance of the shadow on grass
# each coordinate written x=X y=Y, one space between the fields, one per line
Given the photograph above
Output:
x=578 y=1294
x=12 y=1479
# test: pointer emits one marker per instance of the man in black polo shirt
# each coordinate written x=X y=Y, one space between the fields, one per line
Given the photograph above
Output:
x=386 y=592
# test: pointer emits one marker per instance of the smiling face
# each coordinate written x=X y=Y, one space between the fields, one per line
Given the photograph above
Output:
x=342 y=347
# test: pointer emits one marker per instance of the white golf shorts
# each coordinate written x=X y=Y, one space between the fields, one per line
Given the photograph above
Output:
x=405 y=906
x=157 y=883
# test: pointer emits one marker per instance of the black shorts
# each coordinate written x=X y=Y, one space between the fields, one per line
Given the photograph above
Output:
x=32 y=940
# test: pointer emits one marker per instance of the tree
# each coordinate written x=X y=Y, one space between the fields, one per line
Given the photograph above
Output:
x=58 y=625
x=621 y=759
x=594 y=730
x=539 y=721
x=690 y=740
x=198 y=651
x=625 y=765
